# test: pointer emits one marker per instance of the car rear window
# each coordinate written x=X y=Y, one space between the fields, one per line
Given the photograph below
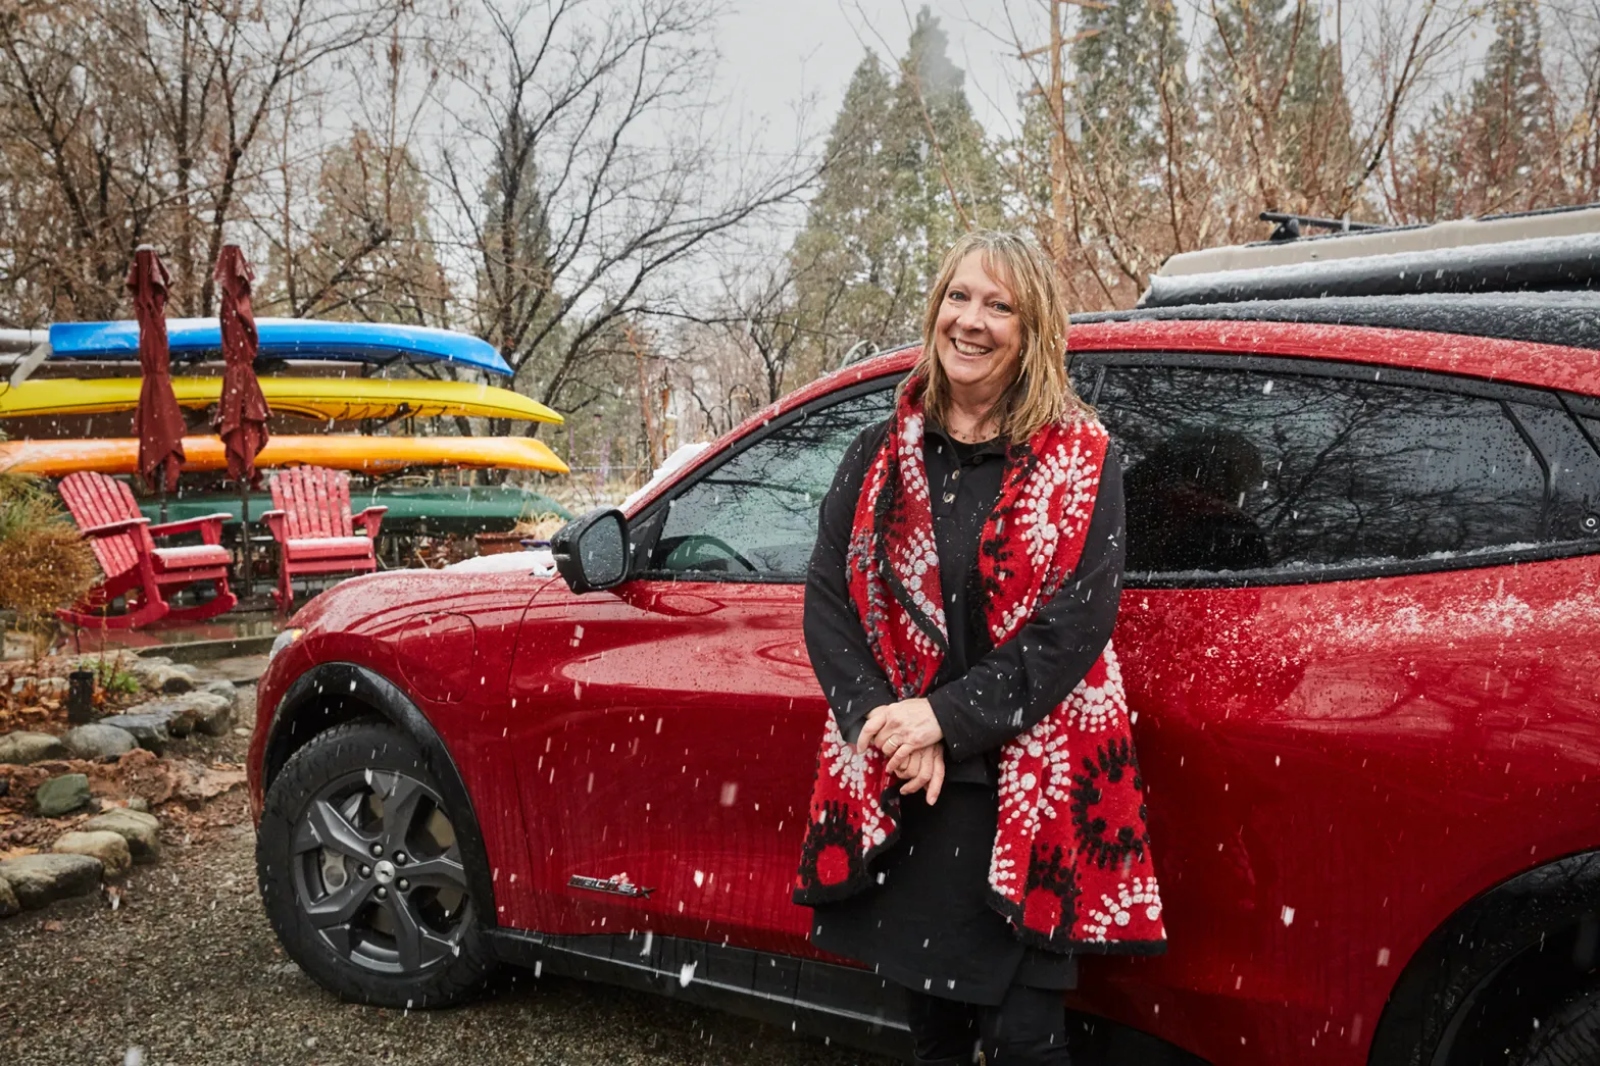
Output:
x=1233 y=469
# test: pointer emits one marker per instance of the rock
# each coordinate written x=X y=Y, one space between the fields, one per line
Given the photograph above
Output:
x=196 y=784
x=157 y=672
x=40 y=686
x=150 y=730
x=179 y=716
x=138 y=803
x=226 y=689
x=183 y=714
x=141 y=831
x=144 y=667
x=173 y=680
x=21 y=748
x=98 y=741
x=9 y=904
x=116 y=857
x=39 y=879
x=62 y=795
x=145 y=776
x=213 y=712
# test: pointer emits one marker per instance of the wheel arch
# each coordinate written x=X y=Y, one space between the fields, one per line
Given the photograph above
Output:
x=1500 y=959
x=333 y=693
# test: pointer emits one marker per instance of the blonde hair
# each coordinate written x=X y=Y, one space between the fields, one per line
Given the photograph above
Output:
x=1042 y=393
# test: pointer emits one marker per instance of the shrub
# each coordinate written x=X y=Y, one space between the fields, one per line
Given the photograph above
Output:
x=44 y=563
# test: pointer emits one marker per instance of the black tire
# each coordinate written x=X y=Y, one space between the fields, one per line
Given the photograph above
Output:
x=374 y=912
x=1570 y=1036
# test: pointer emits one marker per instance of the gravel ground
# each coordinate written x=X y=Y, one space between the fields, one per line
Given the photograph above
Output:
x=186 y=971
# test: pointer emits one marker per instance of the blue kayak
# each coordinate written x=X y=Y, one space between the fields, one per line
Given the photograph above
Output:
x=284 y=338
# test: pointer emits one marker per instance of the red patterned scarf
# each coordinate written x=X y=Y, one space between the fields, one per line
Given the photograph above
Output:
x=1071 y=868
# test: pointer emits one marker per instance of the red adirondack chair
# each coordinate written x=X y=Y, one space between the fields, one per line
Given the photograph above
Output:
x=311 y=522
x=124 y=543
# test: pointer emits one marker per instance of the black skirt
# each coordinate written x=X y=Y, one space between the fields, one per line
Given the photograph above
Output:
x=927 y=923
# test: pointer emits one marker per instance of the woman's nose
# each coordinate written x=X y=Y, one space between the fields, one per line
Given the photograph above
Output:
x=971 y=317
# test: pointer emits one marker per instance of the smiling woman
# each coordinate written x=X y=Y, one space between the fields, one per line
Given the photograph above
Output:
x=959 y=608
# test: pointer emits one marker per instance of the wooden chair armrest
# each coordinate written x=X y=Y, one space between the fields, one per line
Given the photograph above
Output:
x=111 y=529
x=369 y=520
x=209 y=527
x=274 y=521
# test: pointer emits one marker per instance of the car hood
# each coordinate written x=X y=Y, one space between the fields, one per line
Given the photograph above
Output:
x=372 y=603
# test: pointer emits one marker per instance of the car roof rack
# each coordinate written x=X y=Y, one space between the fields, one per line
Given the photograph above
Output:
x=1556 y=249
x=1289 y=226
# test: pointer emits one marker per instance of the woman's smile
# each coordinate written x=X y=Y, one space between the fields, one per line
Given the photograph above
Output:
x=978 y=336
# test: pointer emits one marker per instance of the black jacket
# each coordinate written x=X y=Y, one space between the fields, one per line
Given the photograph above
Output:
x=983 y=695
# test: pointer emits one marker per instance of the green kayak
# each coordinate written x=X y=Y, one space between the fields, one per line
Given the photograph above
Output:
x=435 y=510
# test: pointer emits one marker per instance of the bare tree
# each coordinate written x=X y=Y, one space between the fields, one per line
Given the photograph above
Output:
x=351 y=230
x=145 y=120
x=589 y=174
x=1124 y=163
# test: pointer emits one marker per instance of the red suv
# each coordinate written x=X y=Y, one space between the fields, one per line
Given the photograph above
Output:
x=1360 y=635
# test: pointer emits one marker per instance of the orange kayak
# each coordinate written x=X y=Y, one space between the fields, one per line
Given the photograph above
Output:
x=369 y=454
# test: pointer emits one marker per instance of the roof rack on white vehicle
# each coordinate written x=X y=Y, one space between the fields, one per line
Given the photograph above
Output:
x=1535 y=251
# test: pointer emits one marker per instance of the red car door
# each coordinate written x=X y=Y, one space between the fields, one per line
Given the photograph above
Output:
x=1353 y=716
x=668 y=727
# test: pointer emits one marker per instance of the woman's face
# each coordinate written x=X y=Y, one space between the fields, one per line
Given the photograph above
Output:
x=978 y=336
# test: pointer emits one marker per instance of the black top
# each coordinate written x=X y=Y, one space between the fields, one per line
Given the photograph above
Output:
x=983 y=695
x=925 y=922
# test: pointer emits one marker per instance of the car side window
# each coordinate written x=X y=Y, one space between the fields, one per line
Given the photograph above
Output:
x=1235 y=469
x=755 y=514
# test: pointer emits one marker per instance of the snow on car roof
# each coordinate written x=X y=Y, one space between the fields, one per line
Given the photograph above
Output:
x=1569 y=319
x=1538 y=264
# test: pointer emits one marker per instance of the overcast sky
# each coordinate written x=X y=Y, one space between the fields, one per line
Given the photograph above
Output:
x=779 y=52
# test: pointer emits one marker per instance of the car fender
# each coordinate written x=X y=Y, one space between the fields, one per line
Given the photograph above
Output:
x=334 y=692
x=1481 y=957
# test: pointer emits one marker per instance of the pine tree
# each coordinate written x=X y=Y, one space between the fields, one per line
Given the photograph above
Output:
x=908 y=170
x=1128 y=114
x=369 y=255
x=1275 y=111
x=1511 y=123
x=1497 y=147
x=517 y=306
x=1128 y=64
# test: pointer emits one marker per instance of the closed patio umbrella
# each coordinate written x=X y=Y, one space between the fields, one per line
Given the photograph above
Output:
x=242 y=412
x=158 y=421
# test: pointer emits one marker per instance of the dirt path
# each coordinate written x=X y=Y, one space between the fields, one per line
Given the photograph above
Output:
x=186 y=972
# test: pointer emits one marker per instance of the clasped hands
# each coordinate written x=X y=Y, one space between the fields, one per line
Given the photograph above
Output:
x=908 y=734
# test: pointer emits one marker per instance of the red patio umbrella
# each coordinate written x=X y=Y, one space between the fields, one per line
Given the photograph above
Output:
x=158 y=422
x=242 y=413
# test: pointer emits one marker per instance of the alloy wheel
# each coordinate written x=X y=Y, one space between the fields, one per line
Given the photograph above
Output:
x=377 y=872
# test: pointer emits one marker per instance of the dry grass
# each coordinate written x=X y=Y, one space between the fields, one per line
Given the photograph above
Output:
x=44 y=563
x=538 y=526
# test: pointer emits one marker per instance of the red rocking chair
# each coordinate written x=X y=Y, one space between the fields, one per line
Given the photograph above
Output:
x=124 y=544
x=315 y=533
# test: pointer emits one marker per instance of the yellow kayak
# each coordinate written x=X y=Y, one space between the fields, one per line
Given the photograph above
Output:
x=338 y=399
x=374 y=455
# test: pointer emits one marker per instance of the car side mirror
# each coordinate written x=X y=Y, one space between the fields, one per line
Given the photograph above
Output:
x=592 y=552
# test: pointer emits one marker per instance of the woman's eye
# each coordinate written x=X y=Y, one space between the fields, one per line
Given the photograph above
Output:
x=1003 y=308
x=955 y=294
